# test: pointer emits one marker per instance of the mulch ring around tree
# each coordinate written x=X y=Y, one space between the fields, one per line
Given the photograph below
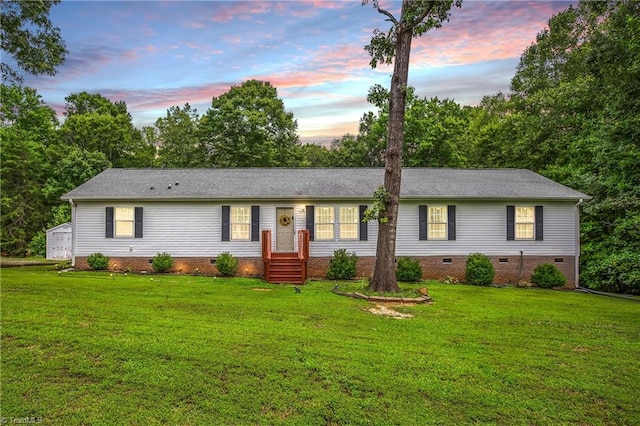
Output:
x=384 y=304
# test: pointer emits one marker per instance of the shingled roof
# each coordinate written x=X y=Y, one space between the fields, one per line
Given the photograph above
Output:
x=316 y=183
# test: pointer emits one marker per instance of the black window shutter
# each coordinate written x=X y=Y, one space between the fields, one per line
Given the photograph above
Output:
x=311 y=221
x=451 y=222
x=226 y=219
x=422 y=222
x=511 y=223
x=539 y=221
x=109 y=223
x=138 y=222
x=255 y=223
x=364 y=226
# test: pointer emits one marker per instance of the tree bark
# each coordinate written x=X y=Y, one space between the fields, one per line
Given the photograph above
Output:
x=384 y=274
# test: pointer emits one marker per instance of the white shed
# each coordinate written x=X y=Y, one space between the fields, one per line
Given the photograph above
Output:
x=59 y=242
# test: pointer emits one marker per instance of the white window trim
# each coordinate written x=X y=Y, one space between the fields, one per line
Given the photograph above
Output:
x=356 y=223
x=445 y=222
x=531 y=223
x=332 y=223
x=233 y=223
x=117 y=221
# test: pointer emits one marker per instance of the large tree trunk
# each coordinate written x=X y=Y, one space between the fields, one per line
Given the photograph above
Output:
x=384 y=274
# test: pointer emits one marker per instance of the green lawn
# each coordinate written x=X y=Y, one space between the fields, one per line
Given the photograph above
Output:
x=87 y=348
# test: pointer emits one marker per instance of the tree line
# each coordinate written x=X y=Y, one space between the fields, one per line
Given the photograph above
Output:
x=572 y=114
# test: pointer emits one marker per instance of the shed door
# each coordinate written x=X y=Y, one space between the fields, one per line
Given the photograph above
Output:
x=285 y=229
x=61 y=245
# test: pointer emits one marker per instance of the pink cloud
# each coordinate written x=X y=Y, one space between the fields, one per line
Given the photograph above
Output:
x=502 y=32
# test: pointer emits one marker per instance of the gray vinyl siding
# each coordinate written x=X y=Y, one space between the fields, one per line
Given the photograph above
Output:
x=481 y=227
x=325 y=248
x=193 y=229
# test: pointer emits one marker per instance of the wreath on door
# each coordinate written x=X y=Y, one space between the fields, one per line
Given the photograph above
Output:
x=284 y=220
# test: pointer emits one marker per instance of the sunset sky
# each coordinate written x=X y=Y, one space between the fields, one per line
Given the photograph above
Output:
x=157 y=54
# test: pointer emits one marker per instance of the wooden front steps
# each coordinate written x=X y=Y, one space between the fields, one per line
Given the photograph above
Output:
x=285 y=268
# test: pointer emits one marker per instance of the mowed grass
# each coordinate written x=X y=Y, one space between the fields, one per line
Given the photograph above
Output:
x=86 y=348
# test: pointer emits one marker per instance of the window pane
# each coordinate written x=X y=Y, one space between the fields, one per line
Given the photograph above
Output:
x=124 y=228
x=437 y=231
x=349 y=223
x=437 y=214
x=324 y=223
x=525 y=223
x=240 y=223
x=437 y=223
x=239 y=231
x=348 y=231
x=240 y=215
x=524 y=214
x=524 y=231
x=124 y=213
x=348 y=215
x=124 y=221
x=324 y=215
x=324 y=231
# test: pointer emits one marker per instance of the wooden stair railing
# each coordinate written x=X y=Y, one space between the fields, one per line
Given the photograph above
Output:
x=303 y=251
x=266 y=253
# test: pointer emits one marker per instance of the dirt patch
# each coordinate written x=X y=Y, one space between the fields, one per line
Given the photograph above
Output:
x=261 y=289
x=388 y=311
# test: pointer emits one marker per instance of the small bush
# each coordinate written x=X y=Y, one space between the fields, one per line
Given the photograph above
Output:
x=227 y=264
x=479 y=270
x=65 y=264
x=162 y=262
x=98 y=261
x=408 y=270
x=343 y=265
x=38 y=245
x=547 y=275
x=449 y=280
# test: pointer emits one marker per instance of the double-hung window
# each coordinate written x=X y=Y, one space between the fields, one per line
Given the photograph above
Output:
x=123 y=222
x=349 y=223
x=437 y=223
x=525 y=222
x=240 y=223
x=321 y=223
x=325 y=218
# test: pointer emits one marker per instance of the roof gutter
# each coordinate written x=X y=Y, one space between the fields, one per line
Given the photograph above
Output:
x=73 y=232
x=577 y=244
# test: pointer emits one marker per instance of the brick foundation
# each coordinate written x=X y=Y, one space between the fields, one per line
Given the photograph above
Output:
x=509 y=269
x=247 y=267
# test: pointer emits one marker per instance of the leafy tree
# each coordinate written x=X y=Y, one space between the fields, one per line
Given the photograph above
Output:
x=28 y=128
x=416 y=18
x=434 y=130
x=314 y=155
x=29 y=37
x=94 y=123
x=352 y=151
x=179 y=145
x=249 y=127
x=574 y=110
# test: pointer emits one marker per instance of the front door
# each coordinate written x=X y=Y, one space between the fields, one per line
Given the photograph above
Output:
x=284 y=229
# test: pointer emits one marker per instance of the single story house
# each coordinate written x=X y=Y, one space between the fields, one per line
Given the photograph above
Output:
x=269 y=218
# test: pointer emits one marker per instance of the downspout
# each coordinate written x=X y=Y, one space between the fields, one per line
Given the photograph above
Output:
x=73 y=232
x=577 y=244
